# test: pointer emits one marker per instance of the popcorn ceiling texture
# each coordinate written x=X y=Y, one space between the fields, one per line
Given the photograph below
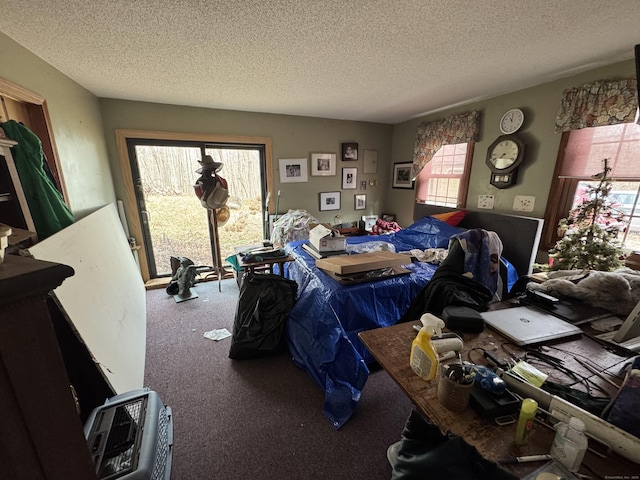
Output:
x=379 y=61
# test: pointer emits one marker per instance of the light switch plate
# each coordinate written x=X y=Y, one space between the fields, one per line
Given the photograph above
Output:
x=486 y=201
x=523 y=203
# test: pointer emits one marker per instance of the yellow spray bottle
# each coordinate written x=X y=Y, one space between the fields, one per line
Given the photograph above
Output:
x=424 y=358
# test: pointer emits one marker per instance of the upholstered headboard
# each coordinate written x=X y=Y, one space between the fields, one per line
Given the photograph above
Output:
x=520 y=235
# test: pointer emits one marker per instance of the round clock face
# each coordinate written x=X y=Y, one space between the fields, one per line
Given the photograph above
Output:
x=504 y=154
x=511 y=121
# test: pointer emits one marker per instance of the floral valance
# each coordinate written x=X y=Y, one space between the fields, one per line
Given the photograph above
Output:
x=605 y=102
x=452 y=130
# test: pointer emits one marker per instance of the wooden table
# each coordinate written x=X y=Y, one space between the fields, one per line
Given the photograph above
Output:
x=265 y=264
x=391 y=347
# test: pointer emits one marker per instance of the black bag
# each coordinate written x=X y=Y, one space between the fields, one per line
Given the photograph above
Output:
x=259 y=327
x=425 y=452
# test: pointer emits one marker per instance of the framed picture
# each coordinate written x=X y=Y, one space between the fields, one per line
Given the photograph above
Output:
x=329 y=201
x=293 y=170
x=349 y=180
x=360 y=201
x=402 y=175
x=349 y=152
x=323 y=164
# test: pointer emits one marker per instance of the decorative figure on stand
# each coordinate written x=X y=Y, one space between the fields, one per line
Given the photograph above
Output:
x=213 y=192
x=182 y=279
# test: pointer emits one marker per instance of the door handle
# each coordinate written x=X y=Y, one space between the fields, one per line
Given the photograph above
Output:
x=146 y=216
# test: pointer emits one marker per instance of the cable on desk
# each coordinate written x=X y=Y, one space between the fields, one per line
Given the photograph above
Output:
x=584 y=357
x=512 y=355
x=558 y=364
x=483 y=350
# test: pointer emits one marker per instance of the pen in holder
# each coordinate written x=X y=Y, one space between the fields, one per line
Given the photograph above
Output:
x=454 y=387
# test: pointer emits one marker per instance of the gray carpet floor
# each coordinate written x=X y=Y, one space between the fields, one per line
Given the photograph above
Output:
x=261 y=418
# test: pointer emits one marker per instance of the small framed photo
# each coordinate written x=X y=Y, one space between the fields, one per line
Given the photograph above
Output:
x=323 y=164
x=360 y=201
x=349 y=152
x=329 y=201
x=349 y=178
x=402 y=173
x=293 y=170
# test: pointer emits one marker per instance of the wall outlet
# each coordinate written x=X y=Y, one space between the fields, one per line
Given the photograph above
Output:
x=523 y=203
x=486 y=201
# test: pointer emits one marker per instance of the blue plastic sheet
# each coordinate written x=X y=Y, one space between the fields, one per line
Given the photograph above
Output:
x=324 y=323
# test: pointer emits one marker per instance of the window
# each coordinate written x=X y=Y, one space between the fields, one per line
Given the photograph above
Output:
x=442 y=159
x=581 y=156
x=444 y=180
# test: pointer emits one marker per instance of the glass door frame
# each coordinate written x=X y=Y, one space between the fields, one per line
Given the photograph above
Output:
x=131 y=208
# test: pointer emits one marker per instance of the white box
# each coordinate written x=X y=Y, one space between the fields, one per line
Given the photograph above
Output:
x=326 y=240
x=369 y=221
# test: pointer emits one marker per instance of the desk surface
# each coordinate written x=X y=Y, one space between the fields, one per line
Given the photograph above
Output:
x=391 y=347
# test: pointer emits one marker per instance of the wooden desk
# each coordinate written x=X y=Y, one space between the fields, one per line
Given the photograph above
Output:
x=391 y=347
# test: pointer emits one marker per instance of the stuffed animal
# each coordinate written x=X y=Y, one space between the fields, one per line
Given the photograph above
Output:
x=617 y=291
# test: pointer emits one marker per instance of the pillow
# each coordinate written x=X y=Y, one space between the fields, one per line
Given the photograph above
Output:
x=452 y=218
x=428 y=232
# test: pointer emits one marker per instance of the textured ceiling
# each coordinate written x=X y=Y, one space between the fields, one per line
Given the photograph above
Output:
x=372 y=60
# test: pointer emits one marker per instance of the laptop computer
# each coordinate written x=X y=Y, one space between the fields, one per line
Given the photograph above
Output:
x=527 y=325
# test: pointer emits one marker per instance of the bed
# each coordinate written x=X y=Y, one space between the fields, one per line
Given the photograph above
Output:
x=323 y=326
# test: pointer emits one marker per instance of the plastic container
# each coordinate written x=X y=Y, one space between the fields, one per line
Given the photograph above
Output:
x=453 y=395
x=570 y=444
x=525 y=420
x=424 y=358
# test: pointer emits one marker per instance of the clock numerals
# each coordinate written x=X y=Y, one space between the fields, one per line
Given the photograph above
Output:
x=511 y=121
x=504 y=156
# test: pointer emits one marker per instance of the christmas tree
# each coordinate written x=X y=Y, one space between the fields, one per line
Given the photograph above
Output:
x=590 y=232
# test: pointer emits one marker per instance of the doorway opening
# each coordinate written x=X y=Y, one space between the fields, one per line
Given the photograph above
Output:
x=170 y=217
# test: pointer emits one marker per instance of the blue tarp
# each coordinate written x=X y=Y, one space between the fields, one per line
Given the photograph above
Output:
x=324 y=323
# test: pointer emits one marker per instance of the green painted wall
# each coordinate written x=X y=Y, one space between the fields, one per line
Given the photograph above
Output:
x=292 y=137
x=76 y=122
x=540 y=105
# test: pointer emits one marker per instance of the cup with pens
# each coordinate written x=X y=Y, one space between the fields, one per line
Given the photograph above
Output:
x=454 y=386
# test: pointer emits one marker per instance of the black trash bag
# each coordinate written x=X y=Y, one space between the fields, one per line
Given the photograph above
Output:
x=264 y=303
x=425 y=452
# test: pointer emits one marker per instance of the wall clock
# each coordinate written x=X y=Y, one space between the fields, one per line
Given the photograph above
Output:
x=504 y=156
x=511 y=121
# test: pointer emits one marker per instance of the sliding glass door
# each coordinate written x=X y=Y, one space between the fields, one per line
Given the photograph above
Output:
x=174 y=222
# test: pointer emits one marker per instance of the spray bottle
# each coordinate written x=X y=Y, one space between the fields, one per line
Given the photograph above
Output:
x=424 y=358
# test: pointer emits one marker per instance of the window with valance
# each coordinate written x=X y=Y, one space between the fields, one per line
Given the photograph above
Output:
x=597 y=121
x=445 y=147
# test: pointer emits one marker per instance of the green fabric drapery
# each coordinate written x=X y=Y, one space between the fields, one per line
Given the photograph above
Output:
x=431 y=136
x=49 y=212
x=604 y=102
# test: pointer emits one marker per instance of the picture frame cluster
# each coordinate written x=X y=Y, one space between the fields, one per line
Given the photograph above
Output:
x=324 y=164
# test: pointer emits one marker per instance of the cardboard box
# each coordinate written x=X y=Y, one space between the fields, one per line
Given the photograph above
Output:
x=325 y=239
x=362 y=262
